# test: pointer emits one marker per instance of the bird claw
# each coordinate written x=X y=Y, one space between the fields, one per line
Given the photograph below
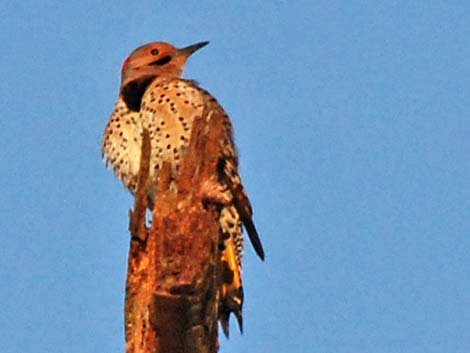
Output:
x=213 y=191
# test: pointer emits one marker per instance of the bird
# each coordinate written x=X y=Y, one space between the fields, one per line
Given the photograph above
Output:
x=154 y=96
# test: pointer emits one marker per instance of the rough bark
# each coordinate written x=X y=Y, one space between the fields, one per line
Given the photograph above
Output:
x=173 y=272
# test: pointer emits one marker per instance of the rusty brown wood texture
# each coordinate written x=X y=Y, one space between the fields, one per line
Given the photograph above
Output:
x=173 y=271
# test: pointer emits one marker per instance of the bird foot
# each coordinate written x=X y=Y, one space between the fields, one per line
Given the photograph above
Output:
x=213 y=191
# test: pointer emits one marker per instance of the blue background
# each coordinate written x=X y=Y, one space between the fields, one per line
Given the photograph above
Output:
x=352 y=122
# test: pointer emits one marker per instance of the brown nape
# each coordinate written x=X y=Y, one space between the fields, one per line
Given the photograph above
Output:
x=132 y=92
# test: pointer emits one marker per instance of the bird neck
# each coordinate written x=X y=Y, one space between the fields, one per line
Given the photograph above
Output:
x=133 y=91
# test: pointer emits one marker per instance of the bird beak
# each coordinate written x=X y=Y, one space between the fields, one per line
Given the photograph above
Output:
x=187 y=51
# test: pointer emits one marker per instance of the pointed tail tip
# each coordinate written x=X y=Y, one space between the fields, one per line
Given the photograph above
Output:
x=238 y=315
x=225 y=328
x=225 y=323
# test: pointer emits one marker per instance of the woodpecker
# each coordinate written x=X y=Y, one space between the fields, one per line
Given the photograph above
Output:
x=153 y=96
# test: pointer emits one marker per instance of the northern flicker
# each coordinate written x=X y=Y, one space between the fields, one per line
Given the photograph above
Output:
x=153 y=96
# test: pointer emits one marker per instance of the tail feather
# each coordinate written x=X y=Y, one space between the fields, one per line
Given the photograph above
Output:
x=231 y=290
x=232 y=302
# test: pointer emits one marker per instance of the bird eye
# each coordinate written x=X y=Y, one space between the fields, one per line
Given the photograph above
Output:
x=154 y=52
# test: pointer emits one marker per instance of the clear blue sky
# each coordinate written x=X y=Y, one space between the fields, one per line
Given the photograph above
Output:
x=353 y=125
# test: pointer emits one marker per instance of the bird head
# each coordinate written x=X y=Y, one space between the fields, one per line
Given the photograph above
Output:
x=148 y=62
x=156 y=59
